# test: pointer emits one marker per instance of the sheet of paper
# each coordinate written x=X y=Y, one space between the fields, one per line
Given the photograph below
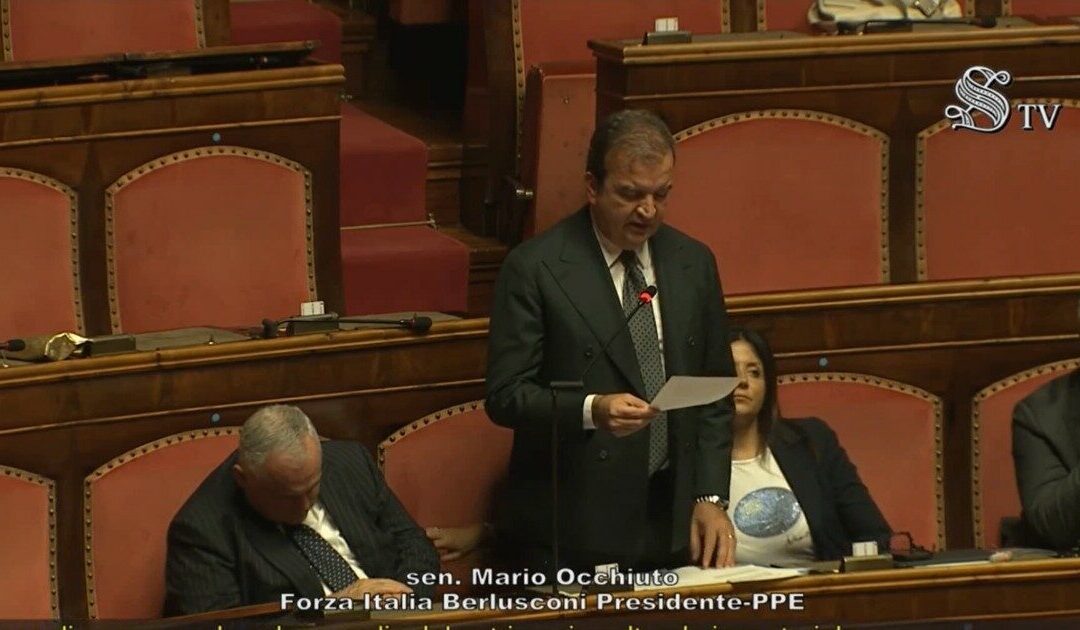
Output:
x=696 y=576
x=691 y=391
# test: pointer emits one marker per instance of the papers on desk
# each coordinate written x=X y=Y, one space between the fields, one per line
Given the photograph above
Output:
x=691 y=391
x=696 y=576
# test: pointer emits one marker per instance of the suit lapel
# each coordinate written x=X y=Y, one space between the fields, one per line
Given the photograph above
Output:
x=268 y=539
x=796 y=461
x=672 y=273
x=1072 y=420
x=344 y=510
x=582 y=273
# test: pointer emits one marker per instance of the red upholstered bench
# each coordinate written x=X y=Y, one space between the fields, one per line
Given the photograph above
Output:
x=383 y=180
x=383 y=171
x=409 y=268
x=396 y=262
x=264 y=21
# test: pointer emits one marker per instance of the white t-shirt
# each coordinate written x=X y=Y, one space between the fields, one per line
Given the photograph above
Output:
x=770 y=527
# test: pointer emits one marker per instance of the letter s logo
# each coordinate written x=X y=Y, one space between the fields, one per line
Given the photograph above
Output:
x=980 y=97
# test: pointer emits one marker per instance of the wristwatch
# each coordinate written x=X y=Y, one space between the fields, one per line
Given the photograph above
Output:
x=714 y=499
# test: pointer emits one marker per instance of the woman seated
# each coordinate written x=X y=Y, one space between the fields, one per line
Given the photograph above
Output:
x=795 y=495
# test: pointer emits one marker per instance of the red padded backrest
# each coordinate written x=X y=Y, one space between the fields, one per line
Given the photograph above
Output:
x=783 y=15
x=265 y=21
x=1000 y=204
x=40 y=256
x=58 y=29
x=228 y=227
x=1041 y=8
x=559 y=30
x=445 y=468
x=126 y=538
x=885 y=427
x=994 y=494
x=27 y=546
x=785 y=199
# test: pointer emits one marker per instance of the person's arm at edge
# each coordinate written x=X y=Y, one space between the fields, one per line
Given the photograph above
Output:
x=1049 y=491
x=859 y=514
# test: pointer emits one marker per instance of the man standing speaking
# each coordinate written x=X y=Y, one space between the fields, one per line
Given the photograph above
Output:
x=638 y=487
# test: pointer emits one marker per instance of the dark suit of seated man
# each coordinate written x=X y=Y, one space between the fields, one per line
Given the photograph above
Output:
x=1046 y=450
x=287 y=513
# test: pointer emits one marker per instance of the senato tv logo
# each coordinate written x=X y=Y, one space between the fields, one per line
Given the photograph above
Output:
x=975 y=89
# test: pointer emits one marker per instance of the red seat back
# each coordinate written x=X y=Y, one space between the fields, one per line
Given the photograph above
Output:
x=1041 y=8
x=27 y=546
x=786 y=199
x=58 y=29
x=884 y=426
x=40 y=256
x=994 y=494
x=229 y=227
x=130 y=502
x=999 y=204
x=446 y=467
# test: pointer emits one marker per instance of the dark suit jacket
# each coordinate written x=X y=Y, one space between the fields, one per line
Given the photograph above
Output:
x=223 y=554
x=555 y=306
x=1046 y=450
x=838 y=507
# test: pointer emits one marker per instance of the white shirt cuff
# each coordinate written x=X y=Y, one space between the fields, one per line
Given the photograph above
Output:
x=586 y=413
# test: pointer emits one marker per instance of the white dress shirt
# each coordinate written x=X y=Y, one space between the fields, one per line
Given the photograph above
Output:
x=319 y=520
x=618 y=275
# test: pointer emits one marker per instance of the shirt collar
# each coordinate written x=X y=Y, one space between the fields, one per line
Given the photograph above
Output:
x=612 y=252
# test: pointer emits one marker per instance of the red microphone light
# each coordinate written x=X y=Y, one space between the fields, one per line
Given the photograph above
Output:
x=646 y=296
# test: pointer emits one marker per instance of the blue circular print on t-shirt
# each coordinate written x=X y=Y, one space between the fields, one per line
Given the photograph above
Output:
x=767 y=512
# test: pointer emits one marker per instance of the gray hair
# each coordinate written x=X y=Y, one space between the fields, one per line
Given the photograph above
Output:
x=640 y=133
x=273 y=429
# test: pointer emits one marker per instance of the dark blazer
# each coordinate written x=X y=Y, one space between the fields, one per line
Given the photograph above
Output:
x=1046 y=451
x=837 y=506
x=222 y=554
x=555 y=306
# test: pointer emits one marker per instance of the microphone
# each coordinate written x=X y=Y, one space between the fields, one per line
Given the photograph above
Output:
x=416 y=323
x=13 y=345
x=645 y=297
x=330 y=321
x=860 y=26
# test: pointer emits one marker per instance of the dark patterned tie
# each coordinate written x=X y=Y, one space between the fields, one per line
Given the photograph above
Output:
x=647 y=346
x=332 y=568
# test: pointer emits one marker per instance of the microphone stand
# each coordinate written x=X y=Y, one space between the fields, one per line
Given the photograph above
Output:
x=644 y=298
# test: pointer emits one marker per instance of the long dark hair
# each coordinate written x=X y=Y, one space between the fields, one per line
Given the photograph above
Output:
x=770 y=408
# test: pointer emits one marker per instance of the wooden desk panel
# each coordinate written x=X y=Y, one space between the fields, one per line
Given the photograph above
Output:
x=89 y=135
